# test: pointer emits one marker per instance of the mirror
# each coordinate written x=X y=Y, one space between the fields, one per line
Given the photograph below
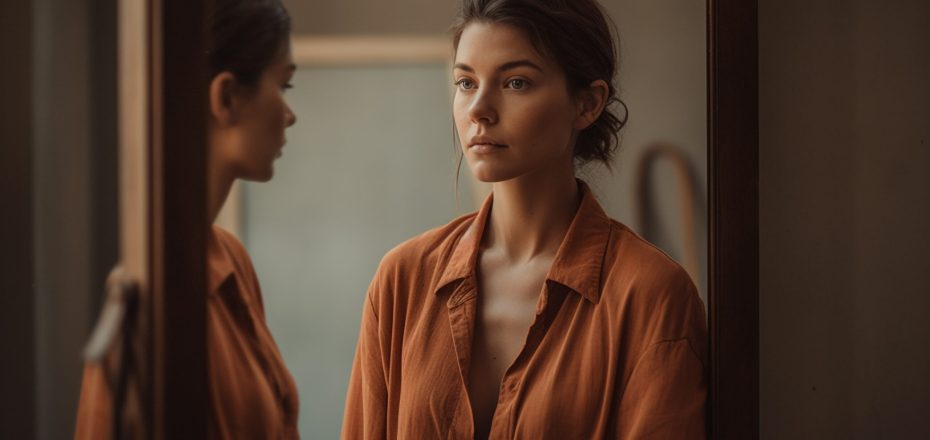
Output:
x=371 y=162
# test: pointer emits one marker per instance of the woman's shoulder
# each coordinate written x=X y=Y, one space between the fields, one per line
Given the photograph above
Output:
x=633 y=264
x=233 y=249
x=628 y=249
x=658 y=295
x=409 y=272
x=230 y=258
x=427 y=248
x=228 y=240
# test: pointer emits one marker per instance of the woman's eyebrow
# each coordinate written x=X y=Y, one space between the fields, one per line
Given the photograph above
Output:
x=503 y=67
x=519 y=63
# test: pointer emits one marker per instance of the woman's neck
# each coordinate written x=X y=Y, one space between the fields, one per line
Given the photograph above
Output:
x=530 y=216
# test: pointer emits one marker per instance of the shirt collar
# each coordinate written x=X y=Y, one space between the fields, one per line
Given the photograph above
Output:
x=577 y=264
x=220 y=265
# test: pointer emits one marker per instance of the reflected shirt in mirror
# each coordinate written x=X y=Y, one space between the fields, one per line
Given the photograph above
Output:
x=252 y=394
x=617 y=348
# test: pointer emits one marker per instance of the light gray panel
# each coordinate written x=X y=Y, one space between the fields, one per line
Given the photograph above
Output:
x=369 y=164
x=63 y=212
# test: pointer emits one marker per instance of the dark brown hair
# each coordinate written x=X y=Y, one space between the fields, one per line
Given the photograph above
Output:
x=246 y=36
x=576 y=34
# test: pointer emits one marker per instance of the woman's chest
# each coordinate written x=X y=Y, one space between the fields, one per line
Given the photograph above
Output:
x=561 y=381
x=252 y=392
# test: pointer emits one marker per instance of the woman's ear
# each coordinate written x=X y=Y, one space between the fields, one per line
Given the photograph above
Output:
x=222 y=99
x=592 y=102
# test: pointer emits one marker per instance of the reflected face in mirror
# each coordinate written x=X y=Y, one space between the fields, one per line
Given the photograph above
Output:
x=512 y=108
x=249 y=121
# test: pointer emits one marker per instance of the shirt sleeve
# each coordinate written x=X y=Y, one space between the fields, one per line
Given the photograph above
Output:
x=366 y=401
x=93 y=416
x=666 y=392
x=665 y=397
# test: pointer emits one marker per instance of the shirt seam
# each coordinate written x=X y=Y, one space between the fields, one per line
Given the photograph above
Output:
x=652 y=347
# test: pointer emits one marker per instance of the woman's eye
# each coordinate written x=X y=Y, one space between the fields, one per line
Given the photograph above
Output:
x=465 y=84
x=517 y=84
x=286 y=87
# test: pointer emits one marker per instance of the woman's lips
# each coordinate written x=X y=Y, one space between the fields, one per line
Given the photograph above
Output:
x=486 y=148
x=485 y=144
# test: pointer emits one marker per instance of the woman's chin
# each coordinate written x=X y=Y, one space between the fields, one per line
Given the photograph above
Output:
x=489 y=174
x=263 y=175
x=267 y=176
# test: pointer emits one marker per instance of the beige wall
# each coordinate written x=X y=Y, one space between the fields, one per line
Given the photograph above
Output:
x=844 y=217
x=371 y=16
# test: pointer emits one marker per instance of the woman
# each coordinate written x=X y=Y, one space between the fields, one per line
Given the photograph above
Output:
x=252 y=394
x=538 y=317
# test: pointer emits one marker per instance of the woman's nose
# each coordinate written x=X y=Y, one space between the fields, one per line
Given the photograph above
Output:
x=289 y=117
x=483 y=109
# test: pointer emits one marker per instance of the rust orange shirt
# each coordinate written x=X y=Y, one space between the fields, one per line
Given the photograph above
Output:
x=252 y=394
x=617 y=348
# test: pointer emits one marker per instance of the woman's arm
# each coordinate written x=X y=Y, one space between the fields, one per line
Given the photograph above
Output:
x=93 y=416
x=366 y=400
x=665 y=396
x=666 y=392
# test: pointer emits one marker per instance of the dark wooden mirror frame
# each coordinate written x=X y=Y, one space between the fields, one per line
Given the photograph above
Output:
x=733 y=218
x=733 y=305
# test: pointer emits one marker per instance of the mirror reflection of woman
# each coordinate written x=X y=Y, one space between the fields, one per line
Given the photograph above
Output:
x=252 y=394
x=537 y=317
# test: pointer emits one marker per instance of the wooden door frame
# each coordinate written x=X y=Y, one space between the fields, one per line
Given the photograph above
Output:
x=163 y=79
x=733 y=217
x=179 y=264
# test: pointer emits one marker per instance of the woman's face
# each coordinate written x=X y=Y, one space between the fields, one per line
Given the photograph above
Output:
x=512 y=109
x=261 y=116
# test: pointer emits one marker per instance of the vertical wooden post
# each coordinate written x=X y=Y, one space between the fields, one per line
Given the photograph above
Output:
x=163 y=224
x=179 y=98
x=18 y=418
x=733 y=159
x=134 y=137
